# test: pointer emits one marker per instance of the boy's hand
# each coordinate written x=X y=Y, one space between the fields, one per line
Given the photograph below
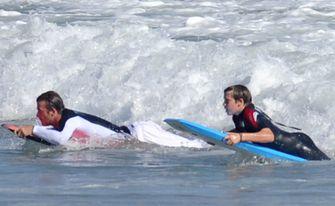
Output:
x=233 y=138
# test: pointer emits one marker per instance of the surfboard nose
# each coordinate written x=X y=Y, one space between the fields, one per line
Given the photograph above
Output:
x=11 y=127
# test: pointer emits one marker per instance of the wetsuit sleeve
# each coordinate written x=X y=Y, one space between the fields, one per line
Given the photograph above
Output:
x=71 y=125
x=50 y=135
x=56 y=137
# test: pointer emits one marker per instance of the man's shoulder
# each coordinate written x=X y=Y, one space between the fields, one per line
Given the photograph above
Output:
x=68 y=113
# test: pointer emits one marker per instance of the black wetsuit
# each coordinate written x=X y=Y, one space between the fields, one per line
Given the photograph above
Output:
x=297 y=143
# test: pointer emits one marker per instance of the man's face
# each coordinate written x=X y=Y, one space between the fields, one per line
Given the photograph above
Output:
x=232 y=106
x=43 y=114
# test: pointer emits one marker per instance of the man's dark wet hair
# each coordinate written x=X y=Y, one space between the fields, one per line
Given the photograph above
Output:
x=53 y=100
x=240 y=91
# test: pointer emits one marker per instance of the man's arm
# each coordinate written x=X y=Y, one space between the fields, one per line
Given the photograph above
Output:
x=53 y=136
x=78 y=124
x=48 y=133
x=73 y=127
x=265 y=135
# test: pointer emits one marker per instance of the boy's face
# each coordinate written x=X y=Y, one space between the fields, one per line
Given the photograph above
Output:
x=232 y=106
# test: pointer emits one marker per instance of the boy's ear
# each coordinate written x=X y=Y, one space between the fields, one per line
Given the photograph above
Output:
x=240 y=101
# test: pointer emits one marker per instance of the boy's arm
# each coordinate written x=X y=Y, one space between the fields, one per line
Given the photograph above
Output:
x=265 y=135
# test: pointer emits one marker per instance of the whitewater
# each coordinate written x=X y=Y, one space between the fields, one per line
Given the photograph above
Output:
x=135 y=60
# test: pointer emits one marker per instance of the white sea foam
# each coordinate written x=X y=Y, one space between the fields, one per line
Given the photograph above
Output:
x=131 y=61
x=152 y=3
x=197 y=21
x=5 y=13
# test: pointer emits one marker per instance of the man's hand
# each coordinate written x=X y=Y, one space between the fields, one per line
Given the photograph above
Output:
x=23 y=131
x=11 y=127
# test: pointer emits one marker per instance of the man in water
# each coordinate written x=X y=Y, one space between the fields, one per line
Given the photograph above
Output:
x=255 y=126
x=59 y=124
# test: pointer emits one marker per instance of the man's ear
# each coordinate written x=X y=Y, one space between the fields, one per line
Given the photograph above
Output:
x=54 y=111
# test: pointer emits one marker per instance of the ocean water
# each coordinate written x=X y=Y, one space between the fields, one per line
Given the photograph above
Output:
x=139 y=60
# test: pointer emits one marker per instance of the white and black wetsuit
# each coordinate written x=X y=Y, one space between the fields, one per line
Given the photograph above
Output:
x=297 y=143
x=77 y=124
x=73 y=122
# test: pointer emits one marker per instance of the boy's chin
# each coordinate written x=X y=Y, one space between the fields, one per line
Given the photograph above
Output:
x=229 y=113
x=232 y=113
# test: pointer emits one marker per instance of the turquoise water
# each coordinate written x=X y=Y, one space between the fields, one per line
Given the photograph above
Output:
x=147 y=175
x=137 y=60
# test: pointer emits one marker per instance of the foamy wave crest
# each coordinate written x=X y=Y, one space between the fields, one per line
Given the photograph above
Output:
x=132 y=61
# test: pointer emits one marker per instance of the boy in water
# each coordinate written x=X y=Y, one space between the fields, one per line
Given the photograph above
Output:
x=255 y=126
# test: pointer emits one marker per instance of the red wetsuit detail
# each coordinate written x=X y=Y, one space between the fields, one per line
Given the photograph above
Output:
x=79 y=134
x=246 y=121
x=249 y=115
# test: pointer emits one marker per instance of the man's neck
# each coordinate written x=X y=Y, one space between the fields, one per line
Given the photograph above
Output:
x=57 y=121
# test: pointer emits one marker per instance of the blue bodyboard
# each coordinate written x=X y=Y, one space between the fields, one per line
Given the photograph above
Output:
x=216 y=137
